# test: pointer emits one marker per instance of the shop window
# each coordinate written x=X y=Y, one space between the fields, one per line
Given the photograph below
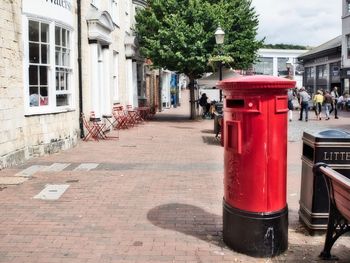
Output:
x=264 y=66
x=348 y=6
x=282 y=66
x=321 y=72
x=49 y=68
x=310 y=72
x=348 y=45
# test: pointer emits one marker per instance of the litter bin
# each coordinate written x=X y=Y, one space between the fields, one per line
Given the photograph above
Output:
x=217 y=119
x=333 y=148
x=255 y=213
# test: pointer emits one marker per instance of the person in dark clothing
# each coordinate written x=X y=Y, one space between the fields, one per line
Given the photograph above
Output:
x=203 y=102
x=304 y=99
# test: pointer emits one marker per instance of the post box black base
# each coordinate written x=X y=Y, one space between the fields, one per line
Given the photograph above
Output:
x=255 y=234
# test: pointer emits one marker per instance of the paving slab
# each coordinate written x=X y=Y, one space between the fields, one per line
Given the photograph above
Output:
x=10 y=180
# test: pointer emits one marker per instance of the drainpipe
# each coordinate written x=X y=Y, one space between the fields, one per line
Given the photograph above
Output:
x=160 y=107
x=80 y=80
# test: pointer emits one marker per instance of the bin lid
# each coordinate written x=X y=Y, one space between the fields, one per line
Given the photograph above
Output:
x=328 y=136
x=257 y=82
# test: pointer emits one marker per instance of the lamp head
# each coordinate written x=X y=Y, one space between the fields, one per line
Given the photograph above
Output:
x=219 y=35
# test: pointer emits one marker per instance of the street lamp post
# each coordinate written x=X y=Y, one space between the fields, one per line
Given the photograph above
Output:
x=219 y=39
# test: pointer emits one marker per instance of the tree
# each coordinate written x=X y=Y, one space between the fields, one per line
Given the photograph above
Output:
x=285 y=46
x=179 y=35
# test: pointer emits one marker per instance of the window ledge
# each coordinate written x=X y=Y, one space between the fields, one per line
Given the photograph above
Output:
x=49 y=113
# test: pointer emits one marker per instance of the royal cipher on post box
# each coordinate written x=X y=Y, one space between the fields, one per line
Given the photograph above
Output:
x=255 y=212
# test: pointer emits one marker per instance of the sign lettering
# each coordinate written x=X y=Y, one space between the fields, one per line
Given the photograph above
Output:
x=62 y=3
x=336 y=156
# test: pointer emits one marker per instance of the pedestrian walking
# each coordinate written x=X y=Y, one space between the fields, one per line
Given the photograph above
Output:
x=291 y=97
x=318 y=100
x=335 y=97
x=304 y=99
x=328 y=100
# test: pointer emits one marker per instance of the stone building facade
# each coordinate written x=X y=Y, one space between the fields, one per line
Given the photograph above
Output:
x=53 y=68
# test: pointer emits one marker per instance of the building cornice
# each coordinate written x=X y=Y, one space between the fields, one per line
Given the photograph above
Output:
x=142 y=3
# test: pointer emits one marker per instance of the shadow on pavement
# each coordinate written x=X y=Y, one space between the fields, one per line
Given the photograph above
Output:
x=171 y=117
x=208 y=131
x=196 y=222
x=189 y=220
x=211 y=140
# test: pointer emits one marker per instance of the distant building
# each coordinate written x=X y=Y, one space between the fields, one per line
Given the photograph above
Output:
x=322 y=66
x=280 y=62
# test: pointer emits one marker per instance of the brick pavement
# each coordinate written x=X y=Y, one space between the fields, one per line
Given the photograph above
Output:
x=154 y=195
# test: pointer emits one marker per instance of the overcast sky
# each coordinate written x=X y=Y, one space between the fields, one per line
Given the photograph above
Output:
x=300 y=22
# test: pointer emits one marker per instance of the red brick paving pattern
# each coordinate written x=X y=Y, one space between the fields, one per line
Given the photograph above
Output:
x=163 y=204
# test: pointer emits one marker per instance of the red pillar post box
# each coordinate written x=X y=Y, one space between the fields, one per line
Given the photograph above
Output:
x=255 y=213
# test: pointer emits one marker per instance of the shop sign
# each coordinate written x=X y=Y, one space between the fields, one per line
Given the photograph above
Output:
x=59 y=10
x=321 y=60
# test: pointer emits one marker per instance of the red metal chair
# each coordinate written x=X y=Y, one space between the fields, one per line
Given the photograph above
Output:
x=99 y=126
x=91 y=131
x=120 y=117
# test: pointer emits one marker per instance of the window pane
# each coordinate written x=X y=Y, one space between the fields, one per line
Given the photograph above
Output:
x=43 y=75
x=62 y=100
x=33 y=31
x=57 y=56
x=64 y=57
x=67 y=80
x=64 y=43
x=61 y=82
x=33 y=96
x=57 y=79
x=44 y=99
x=58 y=35
x=33 y=53
x=68 y=39
x=44 y=54
x=33 y=75
x=44 y=33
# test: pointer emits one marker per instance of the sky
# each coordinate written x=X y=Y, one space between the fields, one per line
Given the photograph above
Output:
x=299 y=22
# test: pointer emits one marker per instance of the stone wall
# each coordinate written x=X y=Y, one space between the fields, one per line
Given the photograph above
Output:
x=23 y=137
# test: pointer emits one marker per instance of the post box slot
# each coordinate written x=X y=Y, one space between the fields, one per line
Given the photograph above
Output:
x=308 y=152
x=234 y=140
x=235 y=103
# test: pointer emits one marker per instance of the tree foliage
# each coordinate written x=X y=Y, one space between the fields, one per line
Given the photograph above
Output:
x=285 y=46
x=179 y=34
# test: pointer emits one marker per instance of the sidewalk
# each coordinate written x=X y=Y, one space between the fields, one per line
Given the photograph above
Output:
x=153 y=195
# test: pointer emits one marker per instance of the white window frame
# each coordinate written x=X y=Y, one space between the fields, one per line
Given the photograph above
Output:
x=51 y=106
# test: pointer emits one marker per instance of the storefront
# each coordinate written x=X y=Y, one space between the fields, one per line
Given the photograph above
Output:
x=322 y=66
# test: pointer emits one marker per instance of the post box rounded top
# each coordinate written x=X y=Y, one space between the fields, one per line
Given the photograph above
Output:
x=257 y=82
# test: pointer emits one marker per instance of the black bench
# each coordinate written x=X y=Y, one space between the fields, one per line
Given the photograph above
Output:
x=339 y=206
